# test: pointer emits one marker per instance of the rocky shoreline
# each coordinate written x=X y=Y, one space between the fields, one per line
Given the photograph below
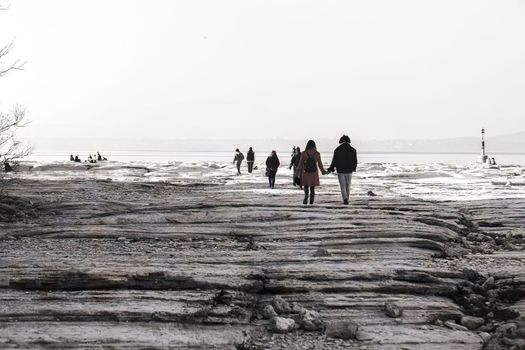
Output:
x=107 y=264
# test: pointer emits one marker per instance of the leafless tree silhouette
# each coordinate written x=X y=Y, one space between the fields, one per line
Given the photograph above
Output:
x=14 y=65
x=11 y=150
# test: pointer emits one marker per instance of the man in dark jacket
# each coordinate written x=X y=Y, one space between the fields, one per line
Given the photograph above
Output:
x=250 y=158
x=345 y=161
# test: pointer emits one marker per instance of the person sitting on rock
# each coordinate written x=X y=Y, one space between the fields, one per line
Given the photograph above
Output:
x=7 y=167
x=71 y=158
x=77 y=159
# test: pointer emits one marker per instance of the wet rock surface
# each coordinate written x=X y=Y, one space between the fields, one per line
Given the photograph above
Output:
x=393 y=310
x=268 y=312
x=340 y=329
x=472 y=322
x=453 y=325
x=97 y=264
x=311 y=321
x=280 y=305
x=282 y=324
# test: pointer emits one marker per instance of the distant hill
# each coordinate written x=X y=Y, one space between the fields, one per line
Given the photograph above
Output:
x=512 y=143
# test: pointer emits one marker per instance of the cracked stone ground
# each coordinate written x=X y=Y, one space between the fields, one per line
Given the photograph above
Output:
x=100 y=264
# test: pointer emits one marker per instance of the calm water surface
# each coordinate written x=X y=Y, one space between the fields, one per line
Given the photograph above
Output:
x=364 y=157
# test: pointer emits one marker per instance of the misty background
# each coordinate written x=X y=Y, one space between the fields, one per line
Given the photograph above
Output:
x=395 y=76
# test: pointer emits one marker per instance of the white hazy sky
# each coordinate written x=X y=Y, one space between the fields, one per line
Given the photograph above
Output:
x=289 y=69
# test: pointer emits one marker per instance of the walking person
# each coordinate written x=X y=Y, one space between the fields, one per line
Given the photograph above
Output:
x=250 y=158
x=237 y=160
x=294 y=162
x=309 y=165
x=345 y=161
x=272 y=164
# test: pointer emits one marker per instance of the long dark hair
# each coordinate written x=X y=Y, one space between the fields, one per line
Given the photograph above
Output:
x=310 y=145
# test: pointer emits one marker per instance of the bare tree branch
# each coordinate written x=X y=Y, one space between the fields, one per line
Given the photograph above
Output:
x=16 y=119
x=15 y=65
x=11 y=150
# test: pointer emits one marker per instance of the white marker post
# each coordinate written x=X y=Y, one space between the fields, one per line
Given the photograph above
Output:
x=483 y=155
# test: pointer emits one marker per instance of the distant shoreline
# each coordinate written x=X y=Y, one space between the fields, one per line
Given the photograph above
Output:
x=283 y=151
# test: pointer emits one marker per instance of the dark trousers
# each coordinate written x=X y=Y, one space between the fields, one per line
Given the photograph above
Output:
x=296 y=178
x=271 y=178
x=310 y=189
x=250 y=166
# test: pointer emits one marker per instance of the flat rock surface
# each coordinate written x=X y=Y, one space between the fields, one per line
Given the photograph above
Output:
x=122 y=265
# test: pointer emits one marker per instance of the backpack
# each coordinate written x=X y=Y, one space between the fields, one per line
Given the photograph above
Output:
x=310 y=165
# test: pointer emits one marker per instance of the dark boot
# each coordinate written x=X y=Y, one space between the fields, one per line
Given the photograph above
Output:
x=305 y=196
x=345 y=201
x=312 y=195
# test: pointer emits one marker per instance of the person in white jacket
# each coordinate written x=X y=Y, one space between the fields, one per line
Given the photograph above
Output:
x=237 y=160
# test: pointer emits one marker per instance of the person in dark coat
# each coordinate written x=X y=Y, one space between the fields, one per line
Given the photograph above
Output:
x=345 y=161
x=309 y=163
x=250 y=158
x=71 y=158
x=7 y=167
x=294 y=162
x=272 y=164
x=77 y=159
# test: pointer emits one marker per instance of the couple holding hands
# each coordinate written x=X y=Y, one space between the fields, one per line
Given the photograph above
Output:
x=344 y=162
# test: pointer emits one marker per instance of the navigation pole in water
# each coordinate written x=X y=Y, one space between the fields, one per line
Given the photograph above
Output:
x=483 y=155
x=483 y=158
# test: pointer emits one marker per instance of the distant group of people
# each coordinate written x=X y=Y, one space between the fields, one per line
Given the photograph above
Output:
x=91 y=158
x=306 y=166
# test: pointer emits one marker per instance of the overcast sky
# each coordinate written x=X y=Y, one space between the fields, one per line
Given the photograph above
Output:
x=288 y=69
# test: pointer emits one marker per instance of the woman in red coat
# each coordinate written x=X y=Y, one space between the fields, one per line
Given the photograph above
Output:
x=309 y=163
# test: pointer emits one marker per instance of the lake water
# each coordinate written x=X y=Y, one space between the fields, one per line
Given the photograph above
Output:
x=213 y=156
x=425 y=176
